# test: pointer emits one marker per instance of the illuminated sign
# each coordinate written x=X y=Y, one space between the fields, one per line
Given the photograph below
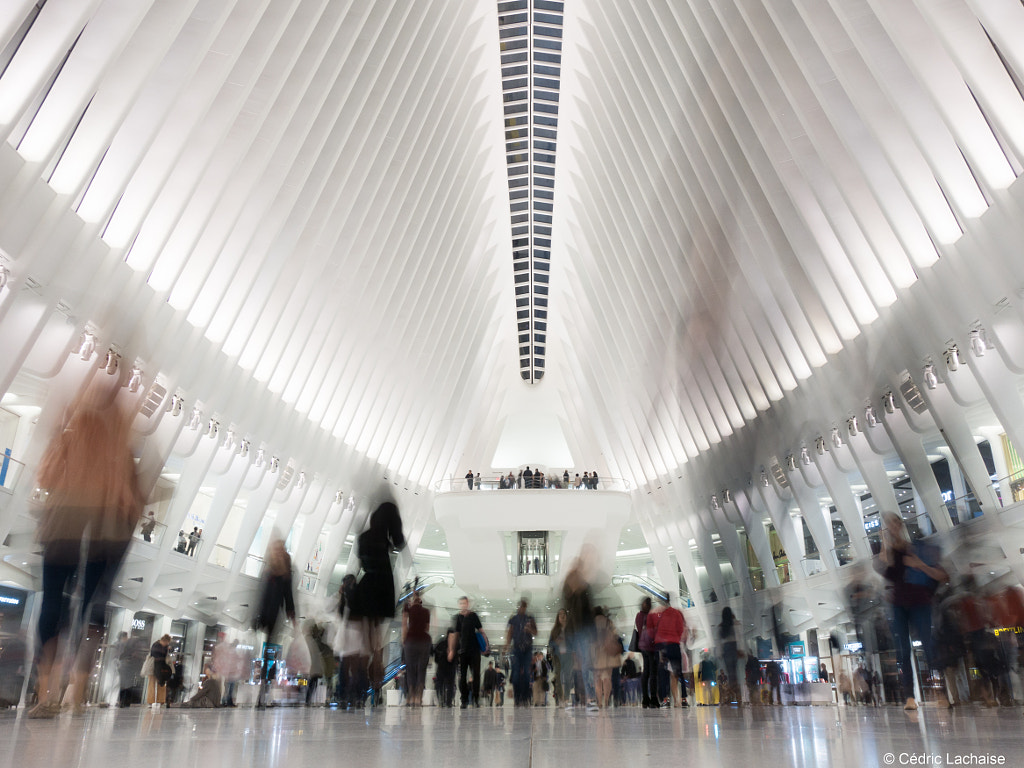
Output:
x=1014 y=630
x=139 y=624
x=872 y=524
x=9 y=600
x=947 y=496
x=796 y=650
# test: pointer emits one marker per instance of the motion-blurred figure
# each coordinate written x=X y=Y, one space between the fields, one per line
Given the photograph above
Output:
x=580 y=632
x=277 y=592
x=913 y=570
x=519 y=633
x=730 y=657
x=91 y=509
x=375 y=592
x=416 y=646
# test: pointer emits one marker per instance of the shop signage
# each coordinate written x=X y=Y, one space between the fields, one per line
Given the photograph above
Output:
x=139 y=624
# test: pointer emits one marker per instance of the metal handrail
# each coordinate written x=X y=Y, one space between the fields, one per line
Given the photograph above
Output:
x=11 y=471
x=492 y=483
x=644 y=585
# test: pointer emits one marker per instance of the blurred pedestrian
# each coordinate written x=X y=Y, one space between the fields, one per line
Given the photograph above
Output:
x=277 y=592
x=375 y=591
x=519 y=633
x=915 y=574
x=90 y=513
x=416 y=646
x=470 y=641
x=580 y=631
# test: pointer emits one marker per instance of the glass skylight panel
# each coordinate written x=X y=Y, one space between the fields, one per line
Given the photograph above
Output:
x=530 y=35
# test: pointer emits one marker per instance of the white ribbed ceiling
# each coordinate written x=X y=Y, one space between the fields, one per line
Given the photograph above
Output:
x=297 y=210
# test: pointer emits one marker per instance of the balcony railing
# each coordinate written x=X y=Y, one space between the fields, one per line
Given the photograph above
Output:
x=495 y=483
x=11 y=471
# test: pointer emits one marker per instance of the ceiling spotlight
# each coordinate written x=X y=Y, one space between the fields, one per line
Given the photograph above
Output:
x=978 y=342
x=243 y=449
x=889 y=402
x=87 y=347
x=791 y=462
x=275 y=464
x=952 y=356
x=805 y=457
x=260 y=457
x=726 y=496
x=135 y=379
x=869 y=416
x=177 y=403
x=930 y=379
x=301 y=482
x=212 y=428
x=714 y=502
x=229 y=440
x=196 y=419
x=5 y=275
x=837 y=439
x=110 y=365
x=764 y=478
x=339 y=497
x=819 y=445
x=852 y=426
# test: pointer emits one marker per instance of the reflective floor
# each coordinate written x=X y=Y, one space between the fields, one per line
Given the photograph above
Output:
x=624 y=738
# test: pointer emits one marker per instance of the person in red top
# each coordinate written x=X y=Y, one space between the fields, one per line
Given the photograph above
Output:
x=668 y=627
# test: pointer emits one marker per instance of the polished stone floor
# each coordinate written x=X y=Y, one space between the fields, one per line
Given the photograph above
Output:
x=530 y=738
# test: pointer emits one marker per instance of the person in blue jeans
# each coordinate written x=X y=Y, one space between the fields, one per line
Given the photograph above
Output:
x=913 y=570
x=519 y=634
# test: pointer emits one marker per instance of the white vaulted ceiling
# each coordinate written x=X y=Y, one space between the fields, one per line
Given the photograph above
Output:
x=296 y=213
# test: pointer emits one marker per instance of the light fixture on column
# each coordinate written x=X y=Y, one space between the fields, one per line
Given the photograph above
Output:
x=952 y=355
x=212 y=428
x=805 y=457
x=110 y=364
x=5 y=275
x=726 y=496
x=869 y=415
x=791 y=462
x=837 y=439
x=978 y=342
x=889 y=402
x=339 y=497
x=88 y=346
x=301 y=482
x=275 y=464
x=930 y=379
x=819 y=445
x=261 y=456
x=764 y=478
x=229 y=440
x=135 y=379
x=196 y=419
x=714 y=502
x=852 y=426
x=243 y=449
x=177 y=403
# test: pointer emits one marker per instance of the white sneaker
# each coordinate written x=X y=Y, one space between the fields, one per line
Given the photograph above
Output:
x=592 y=706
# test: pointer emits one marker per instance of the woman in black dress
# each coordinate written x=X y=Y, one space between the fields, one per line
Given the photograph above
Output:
x=375 y=592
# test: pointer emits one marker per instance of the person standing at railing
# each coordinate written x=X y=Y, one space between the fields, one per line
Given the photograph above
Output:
x=93 y=499
x=593 y=481
x=148 y=527
x=565 y=479
x=527 y=478
x=469 y=479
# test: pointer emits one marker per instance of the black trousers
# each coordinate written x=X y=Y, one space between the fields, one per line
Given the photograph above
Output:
x=469 y=661
x=649 y=678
